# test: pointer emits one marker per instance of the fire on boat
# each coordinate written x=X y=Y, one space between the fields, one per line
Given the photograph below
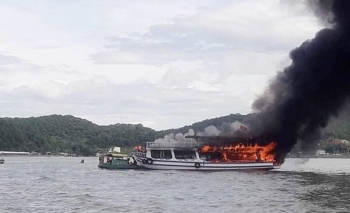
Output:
x=239 y=153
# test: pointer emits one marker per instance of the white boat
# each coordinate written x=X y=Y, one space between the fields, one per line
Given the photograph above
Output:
x=190 y=156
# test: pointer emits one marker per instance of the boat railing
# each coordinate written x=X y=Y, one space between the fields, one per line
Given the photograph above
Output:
x=177 y=144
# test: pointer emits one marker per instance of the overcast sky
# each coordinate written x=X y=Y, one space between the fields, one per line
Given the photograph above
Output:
x=162 y=63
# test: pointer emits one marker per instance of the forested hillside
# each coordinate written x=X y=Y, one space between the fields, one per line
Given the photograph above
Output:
x=56 y=133
x=339 y=127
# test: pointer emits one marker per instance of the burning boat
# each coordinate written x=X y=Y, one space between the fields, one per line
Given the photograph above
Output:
x=201 y=153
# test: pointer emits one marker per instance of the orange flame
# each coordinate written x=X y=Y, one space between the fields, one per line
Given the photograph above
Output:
x=239 y=153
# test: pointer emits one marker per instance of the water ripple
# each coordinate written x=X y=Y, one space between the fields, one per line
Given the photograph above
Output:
x=64 y=185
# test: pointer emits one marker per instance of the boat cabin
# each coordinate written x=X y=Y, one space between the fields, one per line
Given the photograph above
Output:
x=114 y=159
x=186 y=151
x=172 y=150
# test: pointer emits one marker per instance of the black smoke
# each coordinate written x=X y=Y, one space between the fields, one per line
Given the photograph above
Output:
x=303 y=97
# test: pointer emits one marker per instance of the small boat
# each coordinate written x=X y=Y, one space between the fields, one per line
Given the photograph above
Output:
x=116 y=160
x=2 y=161
x=191 y=155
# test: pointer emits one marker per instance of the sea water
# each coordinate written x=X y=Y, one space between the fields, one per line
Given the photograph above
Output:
x=63 y=184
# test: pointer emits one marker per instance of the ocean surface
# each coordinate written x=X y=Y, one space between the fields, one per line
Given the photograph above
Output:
x=63 y=184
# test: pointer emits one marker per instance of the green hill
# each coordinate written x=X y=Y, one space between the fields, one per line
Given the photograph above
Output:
x=57 y=133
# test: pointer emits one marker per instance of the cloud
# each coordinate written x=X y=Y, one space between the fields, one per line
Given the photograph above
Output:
x=216 y=42
x=212 y=33
x=166 y=64
x=116 y=57
x=91 y=98
x=7 y=59
x=35 y=76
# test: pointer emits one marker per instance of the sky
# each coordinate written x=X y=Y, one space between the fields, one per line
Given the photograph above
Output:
x=164 y=64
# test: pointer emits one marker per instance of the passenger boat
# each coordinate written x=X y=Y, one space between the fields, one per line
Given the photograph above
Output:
x=115 y=160
x=193 y=155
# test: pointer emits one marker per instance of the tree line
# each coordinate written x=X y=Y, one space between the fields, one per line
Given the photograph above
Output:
x=72 y=135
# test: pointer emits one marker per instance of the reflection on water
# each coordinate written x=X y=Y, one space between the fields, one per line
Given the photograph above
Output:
x=39 y=184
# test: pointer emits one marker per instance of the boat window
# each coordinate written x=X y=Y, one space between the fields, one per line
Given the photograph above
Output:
x=161 y=154
x=166 y=154
x=155 y=153
x=179 y=154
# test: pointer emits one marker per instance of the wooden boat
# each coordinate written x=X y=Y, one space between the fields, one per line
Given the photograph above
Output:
x=117 y=161
x=189 y=156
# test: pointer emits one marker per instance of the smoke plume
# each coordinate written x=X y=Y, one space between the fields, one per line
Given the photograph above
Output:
x=302 y=98
x=233 y=129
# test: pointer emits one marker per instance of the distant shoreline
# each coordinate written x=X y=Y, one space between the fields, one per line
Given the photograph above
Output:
x=31 y=155
x=324 y=156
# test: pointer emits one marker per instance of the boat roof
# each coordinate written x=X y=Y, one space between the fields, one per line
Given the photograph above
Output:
x=173 y=144
x=116 y=155
x=210 y=140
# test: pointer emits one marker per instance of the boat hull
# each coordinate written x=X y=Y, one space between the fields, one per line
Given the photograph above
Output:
x=117 y=167
x=117 y=162
x=200 y=165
